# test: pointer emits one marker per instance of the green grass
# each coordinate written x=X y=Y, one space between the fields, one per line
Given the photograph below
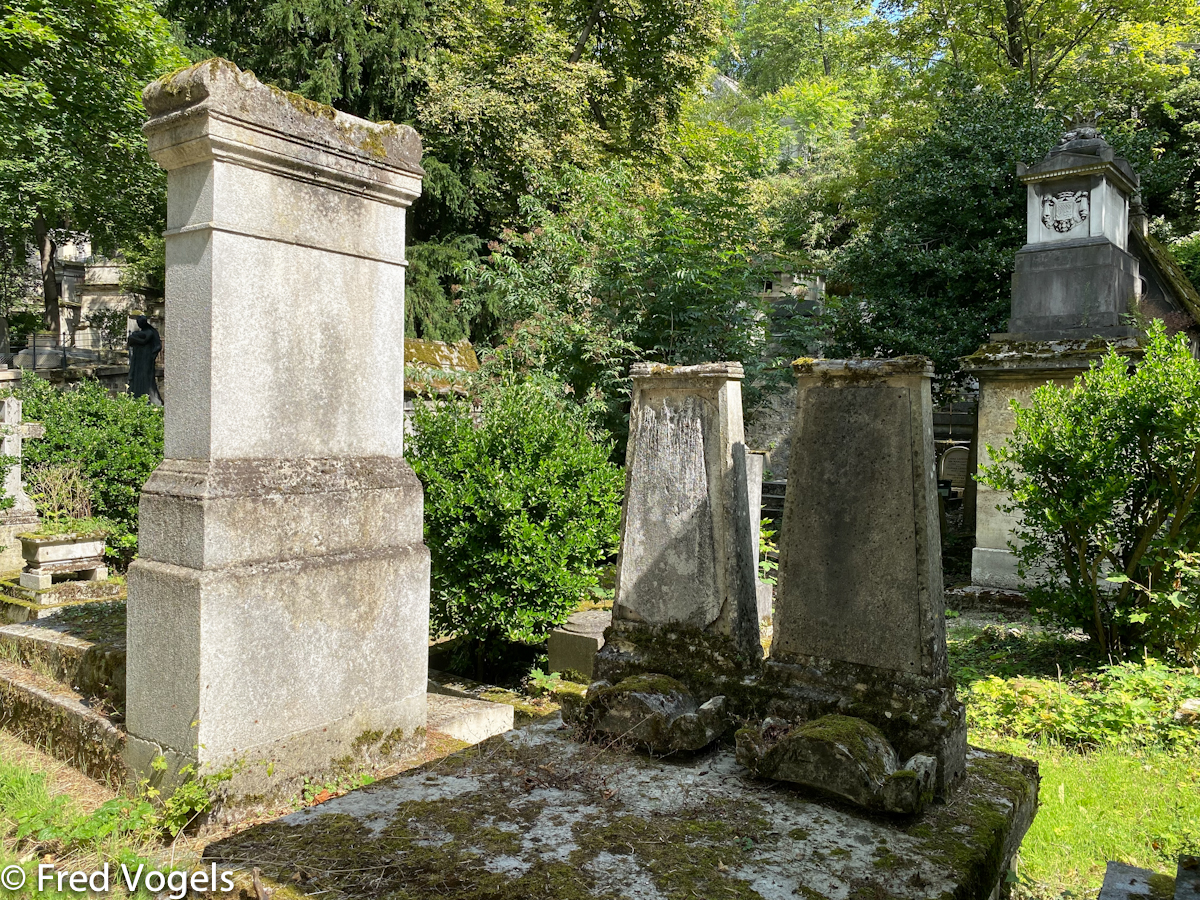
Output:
x=36 y=827
x=1122 y=780
x=1141 y=808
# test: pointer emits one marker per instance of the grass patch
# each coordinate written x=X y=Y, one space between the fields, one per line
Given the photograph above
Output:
x=37 y=827
x=1120 y=774
x=1138 y=807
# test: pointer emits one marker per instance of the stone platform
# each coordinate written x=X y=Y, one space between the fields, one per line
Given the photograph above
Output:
x=533 y=814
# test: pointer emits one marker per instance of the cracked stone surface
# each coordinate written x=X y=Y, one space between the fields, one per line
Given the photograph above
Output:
x=536 y=815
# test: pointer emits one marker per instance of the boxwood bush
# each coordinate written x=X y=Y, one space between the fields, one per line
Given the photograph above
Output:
x=521 y=507
x=114 y=442
x=1105 y=474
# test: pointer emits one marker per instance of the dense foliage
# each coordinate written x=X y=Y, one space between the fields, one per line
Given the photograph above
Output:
x=521 y=507
x=114 y=443
x=929 y=269
x=72 y=155
x=1126 y=705
x=1105 y=475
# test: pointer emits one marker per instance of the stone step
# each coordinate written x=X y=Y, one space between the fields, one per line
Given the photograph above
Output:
x=47 y=646
x=51 y=716
x=20 y=604
x=1187 y=878
x=467 y=719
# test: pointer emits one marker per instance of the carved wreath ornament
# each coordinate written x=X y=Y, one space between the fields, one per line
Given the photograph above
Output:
x=1064 y=210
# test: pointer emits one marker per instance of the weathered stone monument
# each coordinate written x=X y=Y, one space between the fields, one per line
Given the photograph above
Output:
x=857 y=714
x=278 y=610
x=859 y=626
x=21 y=516
x=859 y=617
x=687 y=575
x=1074 y=284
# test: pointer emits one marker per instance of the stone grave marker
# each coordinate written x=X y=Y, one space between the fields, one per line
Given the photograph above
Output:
x=687 y=565
x=278 y=610
x=953 y=467
x=859 y=617
x=21 y=516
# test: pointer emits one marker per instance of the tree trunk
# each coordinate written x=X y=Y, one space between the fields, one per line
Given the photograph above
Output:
x=821 y=44
x=581 y=44
x=46 y=254
x=1012 y=27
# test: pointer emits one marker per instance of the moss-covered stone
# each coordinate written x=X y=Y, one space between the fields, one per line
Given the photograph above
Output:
x=842 y=756
x=535 y=815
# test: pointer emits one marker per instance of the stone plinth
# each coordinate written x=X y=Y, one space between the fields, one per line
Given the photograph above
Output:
x=21 y=516
x=533 y=815
x=687 y=564
x=859 y=618
x=1007 y=371
x=572 y=648
x=278 y=610
x=1075 y=277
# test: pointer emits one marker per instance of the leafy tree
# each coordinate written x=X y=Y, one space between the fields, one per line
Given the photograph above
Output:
x=795 y=42
x=1066 y=51
x=502 y=93
x=941 y=219
x=1172 y=189
x=72 y=155
x=521 y=507
x=1106 y=475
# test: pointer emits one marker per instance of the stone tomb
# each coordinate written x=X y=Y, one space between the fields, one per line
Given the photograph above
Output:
x=1074 y=283
x=278 y=610
x=539 y=815
x=534 y=815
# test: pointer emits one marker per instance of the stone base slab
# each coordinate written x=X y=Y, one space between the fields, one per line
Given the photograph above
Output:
x=533 y=815
x=280 y=770
x=917 y=714
x=995 y=569
x=467 y=719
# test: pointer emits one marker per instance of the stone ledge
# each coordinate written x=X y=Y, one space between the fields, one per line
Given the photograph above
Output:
x=533 y=815
x=51 y=716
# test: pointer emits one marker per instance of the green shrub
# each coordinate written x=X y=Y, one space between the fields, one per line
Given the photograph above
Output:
x=521 y=506
x=1124 y=705
x=1105 y=475
x=113 y=442
x=1186 y=251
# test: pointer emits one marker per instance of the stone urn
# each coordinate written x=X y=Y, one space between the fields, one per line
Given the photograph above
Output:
x=47 y=555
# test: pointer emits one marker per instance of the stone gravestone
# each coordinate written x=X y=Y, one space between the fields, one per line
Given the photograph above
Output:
x=954 y=466
x=859 y=616
x=21 y=516
x=278 y=610
x=686 y=579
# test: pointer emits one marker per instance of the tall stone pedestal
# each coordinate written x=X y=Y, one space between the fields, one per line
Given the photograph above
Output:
x=278 y=610
x=1011 y=370
x=687 y=574
x=21 y=516
x=1075 y=277
x=859 y=616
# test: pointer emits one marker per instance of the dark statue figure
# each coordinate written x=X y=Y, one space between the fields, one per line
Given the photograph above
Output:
x=144 y=347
